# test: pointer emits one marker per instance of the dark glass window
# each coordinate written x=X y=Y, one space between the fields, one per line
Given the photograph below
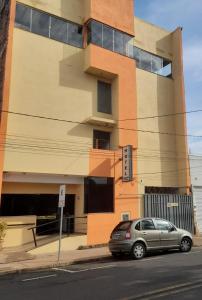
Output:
x=58 y=30
x=157 y=64
x=104 y=97
x=99 y=194
x=95 y=33
x=147 y=225
x=101 y=140
x=123 y=226
x=118 y=42
x=40 y=23
x=23 y=17
x=107 y=38
x=145 y=61
x=46 y=25
x=74 y=35
x=137 y=226
x=163 y=225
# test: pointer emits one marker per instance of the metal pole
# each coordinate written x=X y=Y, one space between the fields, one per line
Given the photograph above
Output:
x=60 y=236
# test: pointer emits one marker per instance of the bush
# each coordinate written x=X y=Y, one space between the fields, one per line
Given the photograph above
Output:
x=3 y=227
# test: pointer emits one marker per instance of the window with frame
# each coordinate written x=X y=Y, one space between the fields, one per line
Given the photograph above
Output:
x=104 y=92
x=101 y=140
x=147 y=225
x=163 y=225
x=98 y=194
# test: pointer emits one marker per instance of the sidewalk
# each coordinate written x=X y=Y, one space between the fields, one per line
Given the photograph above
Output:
x=12 y=261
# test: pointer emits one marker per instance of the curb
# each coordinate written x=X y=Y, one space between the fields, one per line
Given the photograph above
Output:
x=53 y=265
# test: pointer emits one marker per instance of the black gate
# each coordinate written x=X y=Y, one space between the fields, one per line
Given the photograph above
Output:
x=178 y=209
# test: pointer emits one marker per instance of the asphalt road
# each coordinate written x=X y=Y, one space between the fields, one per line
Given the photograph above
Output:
x=161 y=276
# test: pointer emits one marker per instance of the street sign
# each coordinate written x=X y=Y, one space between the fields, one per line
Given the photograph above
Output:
x=61 y=202
x=127 y=163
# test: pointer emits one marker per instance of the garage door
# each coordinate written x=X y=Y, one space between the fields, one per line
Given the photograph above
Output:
x=197 y=193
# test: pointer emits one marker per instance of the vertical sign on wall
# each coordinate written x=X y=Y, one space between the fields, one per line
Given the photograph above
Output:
x=127 y=166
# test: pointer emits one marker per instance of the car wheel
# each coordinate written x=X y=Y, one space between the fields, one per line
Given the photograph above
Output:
x=138 y=251
x=185 y=245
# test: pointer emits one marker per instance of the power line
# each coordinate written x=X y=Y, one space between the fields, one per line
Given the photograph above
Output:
x=162 y=116
x=82 y=123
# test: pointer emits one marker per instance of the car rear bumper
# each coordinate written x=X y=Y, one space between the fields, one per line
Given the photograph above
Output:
x=122 y=246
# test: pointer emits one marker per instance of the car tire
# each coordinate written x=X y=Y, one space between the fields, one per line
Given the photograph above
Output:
x=138 y=251
x=185 y=245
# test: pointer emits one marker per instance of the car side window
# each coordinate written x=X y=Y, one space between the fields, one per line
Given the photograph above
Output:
x=147 y=225
x=163 y=225
x=137 y=226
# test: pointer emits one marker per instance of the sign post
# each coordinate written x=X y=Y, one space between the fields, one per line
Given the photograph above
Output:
x=61 y=204
x=127 y=166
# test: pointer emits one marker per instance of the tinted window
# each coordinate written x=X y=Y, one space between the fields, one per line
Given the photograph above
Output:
x=163 y=225
x=75 y=35
x=104 y=97
x=137 y=226
x=145 y=61
x=58 y=30
x=99 y=194
x=101 y=140
x=108 y=37
x=40 y=23
x=123 y=226
x=157 y=64
x=118 y=42
x=23 y=17
x=147 y=225
x=95 y=33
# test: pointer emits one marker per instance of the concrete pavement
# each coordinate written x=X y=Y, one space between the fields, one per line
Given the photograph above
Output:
x=15 y=261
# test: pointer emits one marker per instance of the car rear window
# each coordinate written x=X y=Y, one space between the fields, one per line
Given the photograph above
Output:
x=123 y=226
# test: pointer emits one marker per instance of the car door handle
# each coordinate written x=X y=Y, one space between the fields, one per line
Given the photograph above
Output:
x=144 y=233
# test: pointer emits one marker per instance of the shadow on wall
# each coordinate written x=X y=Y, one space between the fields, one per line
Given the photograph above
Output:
x=103 y=169
x=167 y=142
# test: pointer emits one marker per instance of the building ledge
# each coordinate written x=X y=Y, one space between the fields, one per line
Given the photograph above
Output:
x=101 y=121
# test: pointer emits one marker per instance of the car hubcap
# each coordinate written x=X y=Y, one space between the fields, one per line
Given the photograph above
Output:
x=138 y=251
x=185 y=245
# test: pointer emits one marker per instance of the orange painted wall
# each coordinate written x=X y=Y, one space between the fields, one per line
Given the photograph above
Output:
x=116 y=13
x=6 y=88
x=107 y=163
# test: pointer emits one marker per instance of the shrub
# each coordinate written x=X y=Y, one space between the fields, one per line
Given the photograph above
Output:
x=3 y=227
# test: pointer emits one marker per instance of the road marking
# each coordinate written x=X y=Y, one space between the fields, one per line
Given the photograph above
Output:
x=84 y=270
x=40 y=277
x=166 y=291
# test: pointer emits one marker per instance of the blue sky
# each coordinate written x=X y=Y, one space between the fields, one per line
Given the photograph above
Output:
x=170 y=14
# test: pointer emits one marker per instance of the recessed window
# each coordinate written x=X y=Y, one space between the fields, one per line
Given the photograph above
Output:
x=40 y=23
x=104 y=97
x=44 y=24
x=58 y=30
x=101 y=140
x=99 y=194
x=108 y=38
x=23 y=17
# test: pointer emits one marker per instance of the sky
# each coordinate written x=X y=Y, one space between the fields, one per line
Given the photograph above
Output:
x=171 y=14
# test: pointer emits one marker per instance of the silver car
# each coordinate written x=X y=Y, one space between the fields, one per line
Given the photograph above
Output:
x=136 y=237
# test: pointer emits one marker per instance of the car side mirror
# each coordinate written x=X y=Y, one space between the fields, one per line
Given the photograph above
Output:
x=171 y=229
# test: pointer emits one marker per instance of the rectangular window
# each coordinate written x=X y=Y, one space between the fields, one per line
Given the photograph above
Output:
x=104 y=97
x=23 y=17
x=101 y=140
x=58 y=30
x=95 y=31
x=107 y=38
x=99 y=194
x=74 y=35
x=40 y=23
x=44 y=24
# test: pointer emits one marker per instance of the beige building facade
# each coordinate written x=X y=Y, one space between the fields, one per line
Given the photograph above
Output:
x=84 y=79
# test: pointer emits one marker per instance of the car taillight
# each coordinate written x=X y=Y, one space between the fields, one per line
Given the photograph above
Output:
x=128 y=235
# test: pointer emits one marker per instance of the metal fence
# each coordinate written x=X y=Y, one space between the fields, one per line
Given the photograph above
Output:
x=176 y=208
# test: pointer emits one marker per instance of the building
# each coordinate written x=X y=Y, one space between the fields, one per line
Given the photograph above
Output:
x=81 y=80
x=196 y=183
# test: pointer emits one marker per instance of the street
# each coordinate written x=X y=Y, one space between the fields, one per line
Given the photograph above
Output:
x=158 y=276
